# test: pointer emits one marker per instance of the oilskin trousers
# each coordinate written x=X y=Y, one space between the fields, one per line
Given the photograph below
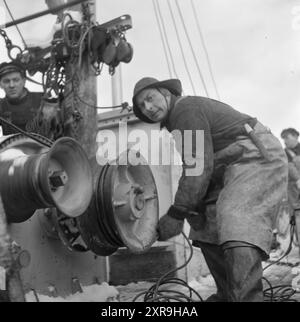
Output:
x=237 y=270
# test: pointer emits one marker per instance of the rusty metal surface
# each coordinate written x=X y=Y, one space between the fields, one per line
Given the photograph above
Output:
x=52 y=265
x=14 y=290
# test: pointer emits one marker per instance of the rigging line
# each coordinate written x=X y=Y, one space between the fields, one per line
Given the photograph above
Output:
x=12 y=18
x=162 y=39
x=166 y=38
x=191 y=46
x=205 y=48
x=181 y=48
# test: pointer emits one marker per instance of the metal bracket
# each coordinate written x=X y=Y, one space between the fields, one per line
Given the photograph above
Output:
x=121 y=23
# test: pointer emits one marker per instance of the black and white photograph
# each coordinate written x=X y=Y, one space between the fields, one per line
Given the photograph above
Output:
x=149 y=153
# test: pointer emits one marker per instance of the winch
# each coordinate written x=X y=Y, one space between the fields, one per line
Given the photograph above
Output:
x=34 y=176
x=123 y=211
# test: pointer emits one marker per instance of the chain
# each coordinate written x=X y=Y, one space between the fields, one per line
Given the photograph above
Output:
x=54 y=80
x=8 y=42
x=9 y=45
x=87 y=12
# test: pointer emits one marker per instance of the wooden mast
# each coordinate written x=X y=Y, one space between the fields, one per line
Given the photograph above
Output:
x=80 y=93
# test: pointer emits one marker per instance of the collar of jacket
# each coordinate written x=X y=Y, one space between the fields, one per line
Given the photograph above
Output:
x=173 y=102
x=296 y=149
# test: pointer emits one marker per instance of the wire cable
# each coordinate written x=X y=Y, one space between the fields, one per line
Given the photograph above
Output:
x=281 y=293
x=162 y=38
x=205 y=48
x=166 y=37
x=191 y=47
x=123 y=105
x=156 y=293
x=288 y=250
x=46 y=141
x=33 y=81
x=181 y=47
x=19 y=31
x=159 y=293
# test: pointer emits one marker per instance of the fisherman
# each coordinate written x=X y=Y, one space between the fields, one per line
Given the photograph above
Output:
x=291 y=140
x=231 y=204
x=19 y=106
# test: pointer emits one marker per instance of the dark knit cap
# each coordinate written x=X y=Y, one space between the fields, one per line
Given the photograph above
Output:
x=11 y=67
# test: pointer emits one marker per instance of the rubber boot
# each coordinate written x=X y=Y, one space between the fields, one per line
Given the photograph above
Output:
x=215 y=261
x=244 y=273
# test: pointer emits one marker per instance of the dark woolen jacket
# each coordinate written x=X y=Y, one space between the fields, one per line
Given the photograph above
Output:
x=294 y=163
x=296 y=150
x=220 y=123
x=19 y=112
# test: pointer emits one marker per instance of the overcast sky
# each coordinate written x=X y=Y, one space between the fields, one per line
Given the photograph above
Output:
x=254 y=49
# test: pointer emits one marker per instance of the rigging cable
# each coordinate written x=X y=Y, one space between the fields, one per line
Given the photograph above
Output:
x=19 y=31
x=205 y=48
x=192 y=48
x=181 y=48
x=162 y=38
x=166 y=37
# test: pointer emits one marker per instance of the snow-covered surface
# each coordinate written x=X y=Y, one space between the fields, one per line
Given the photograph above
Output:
x=287 y=271
x=205 y=286
x=93 y=293
x=283 y=273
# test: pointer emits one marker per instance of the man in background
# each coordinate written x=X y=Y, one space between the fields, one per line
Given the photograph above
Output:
x=291 y=140
x=19 y=106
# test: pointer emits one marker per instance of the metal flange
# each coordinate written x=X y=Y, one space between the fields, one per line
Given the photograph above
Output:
x=124 y=209
x=134 y=204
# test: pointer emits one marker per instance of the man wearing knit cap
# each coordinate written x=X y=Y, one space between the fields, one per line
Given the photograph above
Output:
x=19 y=105
x=231 y=205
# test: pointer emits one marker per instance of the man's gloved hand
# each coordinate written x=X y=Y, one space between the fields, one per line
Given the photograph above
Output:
x=171 y=224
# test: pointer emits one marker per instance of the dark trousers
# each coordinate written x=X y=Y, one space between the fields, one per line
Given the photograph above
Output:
x=237 y=270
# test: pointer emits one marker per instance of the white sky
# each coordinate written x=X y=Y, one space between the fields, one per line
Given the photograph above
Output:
x=254 y=48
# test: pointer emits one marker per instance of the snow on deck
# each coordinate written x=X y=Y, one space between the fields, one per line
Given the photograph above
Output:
x=93 y=293
x=287 y=272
